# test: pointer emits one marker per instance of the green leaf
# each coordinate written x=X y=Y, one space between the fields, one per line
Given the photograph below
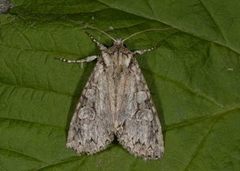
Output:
x=193 y=75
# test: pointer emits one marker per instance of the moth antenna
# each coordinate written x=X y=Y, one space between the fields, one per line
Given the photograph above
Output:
x=153 y=29
x=101 y=31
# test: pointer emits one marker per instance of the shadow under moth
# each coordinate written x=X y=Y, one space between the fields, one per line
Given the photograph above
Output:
x=116 y=102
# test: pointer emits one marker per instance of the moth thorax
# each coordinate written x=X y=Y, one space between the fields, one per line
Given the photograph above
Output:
x=117 y=59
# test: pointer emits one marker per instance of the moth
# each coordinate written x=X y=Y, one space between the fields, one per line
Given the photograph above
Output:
x=116 y=102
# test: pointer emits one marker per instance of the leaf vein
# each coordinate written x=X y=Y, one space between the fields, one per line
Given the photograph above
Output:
x=192 y=121
x=198 y=93
x=20 y=154
x=18 y=86
x=20 y=121
x=200 y=145
x=213 y=20
x=64 y=161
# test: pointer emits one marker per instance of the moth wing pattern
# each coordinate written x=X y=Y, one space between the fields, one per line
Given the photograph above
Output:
x=140 y=129
x=90 y=131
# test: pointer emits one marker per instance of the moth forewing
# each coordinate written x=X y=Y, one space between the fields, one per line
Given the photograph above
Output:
x=116 y=101
x=89 y=130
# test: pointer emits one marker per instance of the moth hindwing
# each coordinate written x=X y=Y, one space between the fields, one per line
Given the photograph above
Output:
x=116 y=101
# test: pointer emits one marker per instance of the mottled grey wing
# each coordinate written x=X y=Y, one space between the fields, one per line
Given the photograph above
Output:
x=90 y=129
x=139 y=129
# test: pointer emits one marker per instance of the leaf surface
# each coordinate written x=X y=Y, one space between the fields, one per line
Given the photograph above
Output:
x=193 y=75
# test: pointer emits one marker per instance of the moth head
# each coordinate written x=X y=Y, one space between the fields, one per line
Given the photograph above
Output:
x=118 y=42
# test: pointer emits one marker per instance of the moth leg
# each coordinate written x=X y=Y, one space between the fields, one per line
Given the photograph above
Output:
x=142 y=51
x=101 y=46
x=87 y=59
